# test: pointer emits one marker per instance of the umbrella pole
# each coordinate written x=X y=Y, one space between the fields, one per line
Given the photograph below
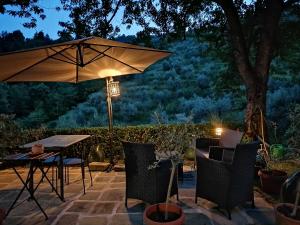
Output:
x=110 y=125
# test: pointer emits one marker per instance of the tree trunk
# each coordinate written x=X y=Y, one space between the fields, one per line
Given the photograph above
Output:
x=256 y=92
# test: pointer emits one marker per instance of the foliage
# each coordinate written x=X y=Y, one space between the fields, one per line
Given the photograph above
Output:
x=293 y=132
x=24 y=9
x=91 y=18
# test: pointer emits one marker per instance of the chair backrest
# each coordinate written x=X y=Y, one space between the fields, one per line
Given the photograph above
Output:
x=230 y=138
x=138 y=156
x=243 y=169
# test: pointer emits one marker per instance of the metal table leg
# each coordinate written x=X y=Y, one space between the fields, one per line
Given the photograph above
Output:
x=29 y=189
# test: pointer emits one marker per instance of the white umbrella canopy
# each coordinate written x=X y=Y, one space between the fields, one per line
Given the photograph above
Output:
x=76 y=61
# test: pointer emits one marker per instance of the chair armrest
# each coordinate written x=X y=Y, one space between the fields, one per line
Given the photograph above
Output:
x=213 y=173
x=217 y=152
x=206 y=142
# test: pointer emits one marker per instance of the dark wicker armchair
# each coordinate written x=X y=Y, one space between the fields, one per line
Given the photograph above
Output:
x=227 y=184
x=229 y=139
x=149 y=185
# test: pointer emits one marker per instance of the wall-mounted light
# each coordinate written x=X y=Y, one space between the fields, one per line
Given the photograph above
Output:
x=219 y=131
x=113 y=88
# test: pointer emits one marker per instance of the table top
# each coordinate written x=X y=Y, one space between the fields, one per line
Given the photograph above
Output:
x=58 y=141
x=29 y=156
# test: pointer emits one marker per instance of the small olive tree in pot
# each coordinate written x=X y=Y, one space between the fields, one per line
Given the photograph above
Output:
x=170 y=145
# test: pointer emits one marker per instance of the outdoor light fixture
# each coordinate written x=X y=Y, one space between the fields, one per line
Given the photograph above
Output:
x=219 y=131
x=114 y=88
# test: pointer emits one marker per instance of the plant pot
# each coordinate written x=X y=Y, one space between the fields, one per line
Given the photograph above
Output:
x=37 y=149
x=272 y=180
x=282 y=212
x=173 y=209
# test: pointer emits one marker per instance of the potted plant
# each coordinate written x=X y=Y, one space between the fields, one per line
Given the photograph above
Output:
x=169 y=146
x=271 y=180
x=287 y=213
x=38 y=148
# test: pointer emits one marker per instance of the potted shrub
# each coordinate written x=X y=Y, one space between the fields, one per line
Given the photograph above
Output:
x=287 y=213
x=271 y=180
x=169 y=146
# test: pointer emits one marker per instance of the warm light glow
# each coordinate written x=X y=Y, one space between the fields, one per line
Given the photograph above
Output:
x=219 y=131
x=108 y=73
x=114 y=89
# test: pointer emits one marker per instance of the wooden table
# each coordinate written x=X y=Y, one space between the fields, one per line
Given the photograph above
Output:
x=36 y=162
x=58 y=143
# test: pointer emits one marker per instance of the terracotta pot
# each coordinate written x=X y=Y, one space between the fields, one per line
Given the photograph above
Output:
x=282 y=219
x=37 y=149
x=172 y=208
x=272 y=180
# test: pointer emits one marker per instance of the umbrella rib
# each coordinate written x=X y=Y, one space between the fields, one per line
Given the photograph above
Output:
x=29 y=67
x=47 y=46
x=100 y=55
x=73 y=61
x=117 y=60
x=134 y=48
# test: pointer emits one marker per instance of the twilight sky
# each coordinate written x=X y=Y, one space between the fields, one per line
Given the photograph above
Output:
x=50 y=24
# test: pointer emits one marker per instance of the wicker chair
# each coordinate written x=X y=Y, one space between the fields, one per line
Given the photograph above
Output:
x=229 y=139
x=149 y=185
x=227 y=184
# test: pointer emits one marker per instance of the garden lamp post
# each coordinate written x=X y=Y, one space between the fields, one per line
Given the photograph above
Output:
x=112 y=90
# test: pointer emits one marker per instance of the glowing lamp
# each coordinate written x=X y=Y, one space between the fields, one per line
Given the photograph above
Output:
x=219 y=131
x=113 y=88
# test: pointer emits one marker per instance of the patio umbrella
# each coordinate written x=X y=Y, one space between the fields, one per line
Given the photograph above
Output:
x=78 y=60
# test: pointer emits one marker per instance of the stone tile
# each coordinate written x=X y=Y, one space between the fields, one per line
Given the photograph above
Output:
x=98 y=187
x=92 y=196
x=14 y=221
x=53 y=209
x=25 y=209
x=262 y=217
x=117 y=185
x=133 y=207
x=81 y=206
x=113 y=195
x=68 y=219
x=95 y=220
x=197 y=218
x=118 y=179
x=103 y=208
x=127 y=219
x=73 y=188
x=186 y=203
x=187 y=192
x=8 y=178
x=103 y=179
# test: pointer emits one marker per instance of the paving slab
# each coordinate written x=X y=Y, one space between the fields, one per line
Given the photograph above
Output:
x=103 y=203
x=95 y=220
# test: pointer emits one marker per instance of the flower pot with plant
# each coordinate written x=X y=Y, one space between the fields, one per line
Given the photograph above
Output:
x=271 y=180
x=287 y=213
x=170 y=146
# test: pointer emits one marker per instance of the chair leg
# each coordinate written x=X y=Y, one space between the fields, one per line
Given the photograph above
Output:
x=68 y=173
x=56 y=180
x=252 y=201
x=83 y=177
x=90 y=174
x=196 y=200
x=65 y=174
x=52 y=179
x=126 y=201
x=229 y=214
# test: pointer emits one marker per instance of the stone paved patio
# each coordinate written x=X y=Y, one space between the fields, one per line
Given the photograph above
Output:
x=103 y=204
